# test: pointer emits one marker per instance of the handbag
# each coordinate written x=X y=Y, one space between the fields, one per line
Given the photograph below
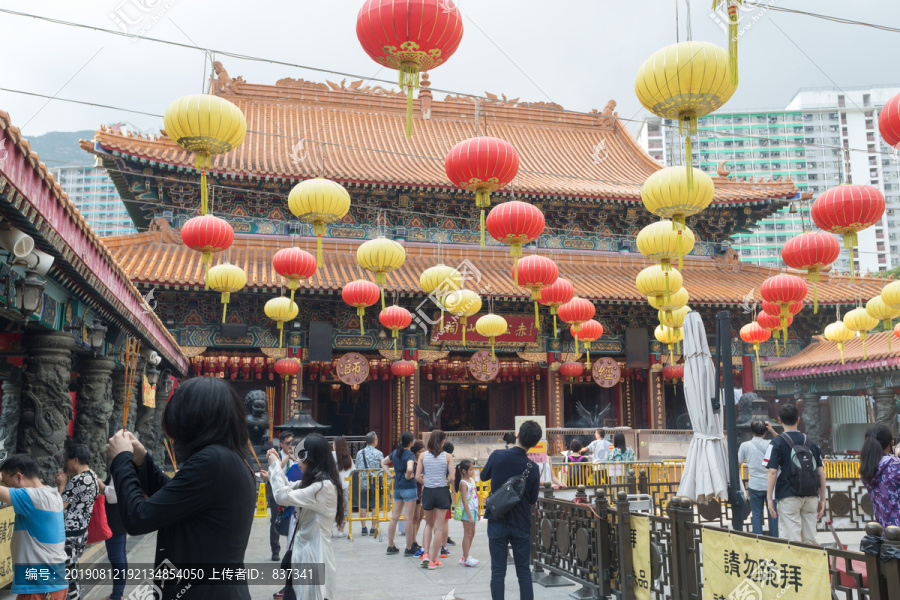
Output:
x=289 y=593
x=283 y=523
x=508 y=495
x=458 y=510
x=98 y=526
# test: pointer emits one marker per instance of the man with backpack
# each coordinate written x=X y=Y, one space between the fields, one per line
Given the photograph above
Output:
x=796 y=480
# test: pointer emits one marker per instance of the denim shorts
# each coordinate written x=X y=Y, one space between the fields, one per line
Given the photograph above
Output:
x=407 y=495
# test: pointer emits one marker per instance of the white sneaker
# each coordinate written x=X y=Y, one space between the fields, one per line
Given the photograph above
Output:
x=472 y=562
x=462 y=562
x=340 y=534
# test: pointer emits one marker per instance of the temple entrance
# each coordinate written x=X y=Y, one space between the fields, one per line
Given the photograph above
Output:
x=594 y=399
x=345 y=408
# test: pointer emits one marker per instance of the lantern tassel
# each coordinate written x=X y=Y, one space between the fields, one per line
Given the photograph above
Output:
x=756 y=349
x=203 y=162
x=671 y=353
x=733 y=40
x=555 y=330
x=492 y=348
x=850 y=241
x=442 y=317
x=537 y=320
x=280 y=334
x=587 y=347
x=382 y=298
x=361 y=312
x=207 y=262
x=680 y=251
x=225 y=298
x=841 y=348
x=464 y=331
x=409 y=80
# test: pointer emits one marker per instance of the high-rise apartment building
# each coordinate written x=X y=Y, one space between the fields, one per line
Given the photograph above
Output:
x=823 y=137
x=95 y=195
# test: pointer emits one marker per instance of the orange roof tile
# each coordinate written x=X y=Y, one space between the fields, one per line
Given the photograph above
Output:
x=295 y=124
x=823 y=358
x=159 y=257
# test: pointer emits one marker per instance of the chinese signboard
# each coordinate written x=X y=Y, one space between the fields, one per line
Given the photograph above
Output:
x=657 y=400
x=640 y=552
x=483 y=366
x=7 y=525
x=736 y=566
x=521 y=331
x=556 y=400
x=606 y=372
x=627 y=395
x=353 y=368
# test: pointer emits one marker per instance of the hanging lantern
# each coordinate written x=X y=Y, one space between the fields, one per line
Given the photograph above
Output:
x=555 y=295
x=205 y=125
x=811 y=251
x=491 y=326
x=463 y=304
x=535 y=273
x=775 y=309
x=287 y=367
x=889 y=122
x=660 y=241
x=403 y=368
x=207 y=234
x=668 y=195
x=731 y=8
x=395 y=318
x=381 y=256
x=860 y=321
x=676 y=301
x=775 y=325
x=891 y=294
x=226 y=279
x=319 y=201
x=838 y=332
x=515 y=223
x=669 y=336
x=754 y=333
x=575 y=312
x=654 y=281
x=897 y=330
x=848 y=209
x=673 y=372
x=410 y=36
x=294 y=264
x=877 y=309
x=673 y=318
x=571 y=370
x=281 y=310
x=360 y=294
x=482 y=165
x=587 y=332
x=784 y=290
x=438 y=281
x=683 y=82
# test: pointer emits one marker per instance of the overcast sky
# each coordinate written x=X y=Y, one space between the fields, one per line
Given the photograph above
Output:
x=576 y=53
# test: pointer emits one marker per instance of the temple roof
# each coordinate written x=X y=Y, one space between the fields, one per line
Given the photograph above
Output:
x=823 y=358
x=357 y=132
x=159 y=257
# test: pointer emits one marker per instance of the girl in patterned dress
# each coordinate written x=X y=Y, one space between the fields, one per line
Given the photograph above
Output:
x=879 y=469
x=78 y=487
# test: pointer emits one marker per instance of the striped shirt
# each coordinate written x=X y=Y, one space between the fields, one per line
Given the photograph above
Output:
x=38 y=543
x=435 y=468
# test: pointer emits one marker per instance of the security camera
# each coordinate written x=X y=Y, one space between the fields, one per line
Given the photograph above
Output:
x=15 y=242
x=37 y=261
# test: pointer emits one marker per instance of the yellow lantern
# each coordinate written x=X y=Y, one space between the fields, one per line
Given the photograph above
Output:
x=891 y=294
x=319 y=201
x=663 y=242
x=227 y=279
x=205 y=125
x=877 y=309
x=669 y=336
x=439 y=281
x=491 y=326
x=674 y=318
x=381 y=256
x=676 y=300
x=683 y=82
x=859 y=320
x=838 y=332
x=463 y=304
x=654 y=281
x=280 y=310
x=668 y=195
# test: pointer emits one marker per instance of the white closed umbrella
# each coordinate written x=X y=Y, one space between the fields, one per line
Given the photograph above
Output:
x=705 y=475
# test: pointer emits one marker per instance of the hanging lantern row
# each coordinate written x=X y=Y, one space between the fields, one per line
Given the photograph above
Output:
x=575 y=312
x=555 y=295
x=838 y=332
x=878 y=310
x=587 y=332
x=515 y=223
x=811 y=251
x=848 y=209
x=785 y=291
x=890 y=295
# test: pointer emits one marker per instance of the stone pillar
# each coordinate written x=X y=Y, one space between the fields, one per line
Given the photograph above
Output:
x=886 y=408
x=9 y=416
x=812 y=419
x=148 y=427
x=46 y=405
x=118 y=380
x=94 y=406
x=159 y=450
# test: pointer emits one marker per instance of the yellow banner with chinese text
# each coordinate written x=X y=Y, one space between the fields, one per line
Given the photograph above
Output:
x=737 y=566
x=640 y=556
x=7 y=525
x=149 y=395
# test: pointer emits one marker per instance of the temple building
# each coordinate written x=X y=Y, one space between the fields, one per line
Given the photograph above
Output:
x=584 y=171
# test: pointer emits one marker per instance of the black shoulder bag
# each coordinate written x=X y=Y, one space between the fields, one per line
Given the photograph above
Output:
x=508 y=495
x=286 y=565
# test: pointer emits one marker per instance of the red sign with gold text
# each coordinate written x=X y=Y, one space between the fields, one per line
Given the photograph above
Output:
x=521 y=331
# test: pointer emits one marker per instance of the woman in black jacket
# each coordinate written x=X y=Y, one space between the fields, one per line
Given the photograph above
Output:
x=203 y=515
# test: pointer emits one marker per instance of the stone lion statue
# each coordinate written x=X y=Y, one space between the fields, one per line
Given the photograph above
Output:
x=256 y=406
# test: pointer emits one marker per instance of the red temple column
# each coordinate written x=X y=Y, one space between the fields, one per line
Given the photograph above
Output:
x=747 y=374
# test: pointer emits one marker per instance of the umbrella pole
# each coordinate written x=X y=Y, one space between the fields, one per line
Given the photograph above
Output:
x=723 y=364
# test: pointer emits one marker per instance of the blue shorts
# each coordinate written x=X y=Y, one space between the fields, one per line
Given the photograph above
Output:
x=405 y=495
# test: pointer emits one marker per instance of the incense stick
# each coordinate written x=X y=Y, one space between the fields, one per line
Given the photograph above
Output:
x=132 y=348
x=171 y=453
x=253 y=452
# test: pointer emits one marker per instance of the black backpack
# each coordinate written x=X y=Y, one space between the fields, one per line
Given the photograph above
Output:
x=803 y=476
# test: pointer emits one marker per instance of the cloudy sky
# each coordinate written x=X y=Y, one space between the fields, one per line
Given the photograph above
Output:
x=578 y=53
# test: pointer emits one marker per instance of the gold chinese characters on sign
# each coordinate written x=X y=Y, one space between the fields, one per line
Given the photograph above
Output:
x=353 y=368
x=483 y=366
x=606 y=372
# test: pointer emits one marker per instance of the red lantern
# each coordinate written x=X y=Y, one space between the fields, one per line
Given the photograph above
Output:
x=575 y=312
x=294 y=264
x=207 y=234
x=403 y=368
x=784 y=290
x=395 y=318
x=897 y=330
x=535 y=273
x=811 y=251
x=774 y=324
x=775 y=309
x=555 y=295
x=571 y=370
x=360 y=294
x=482 y=165
x=287 y=367
x=587 y=332
x=410 y=36
x=515 y=223
x=889 y=122
x=673 y=372
x=754 y=333
x=848 y=209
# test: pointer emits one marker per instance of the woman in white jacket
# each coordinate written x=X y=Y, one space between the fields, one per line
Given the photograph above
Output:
x=320 y=501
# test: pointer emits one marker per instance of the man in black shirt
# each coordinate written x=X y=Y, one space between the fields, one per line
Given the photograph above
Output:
x=515 y=528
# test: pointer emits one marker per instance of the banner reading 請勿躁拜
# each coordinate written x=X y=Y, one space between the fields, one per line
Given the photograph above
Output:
x=737 y=566
x=7 y=525
x=640 y=556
